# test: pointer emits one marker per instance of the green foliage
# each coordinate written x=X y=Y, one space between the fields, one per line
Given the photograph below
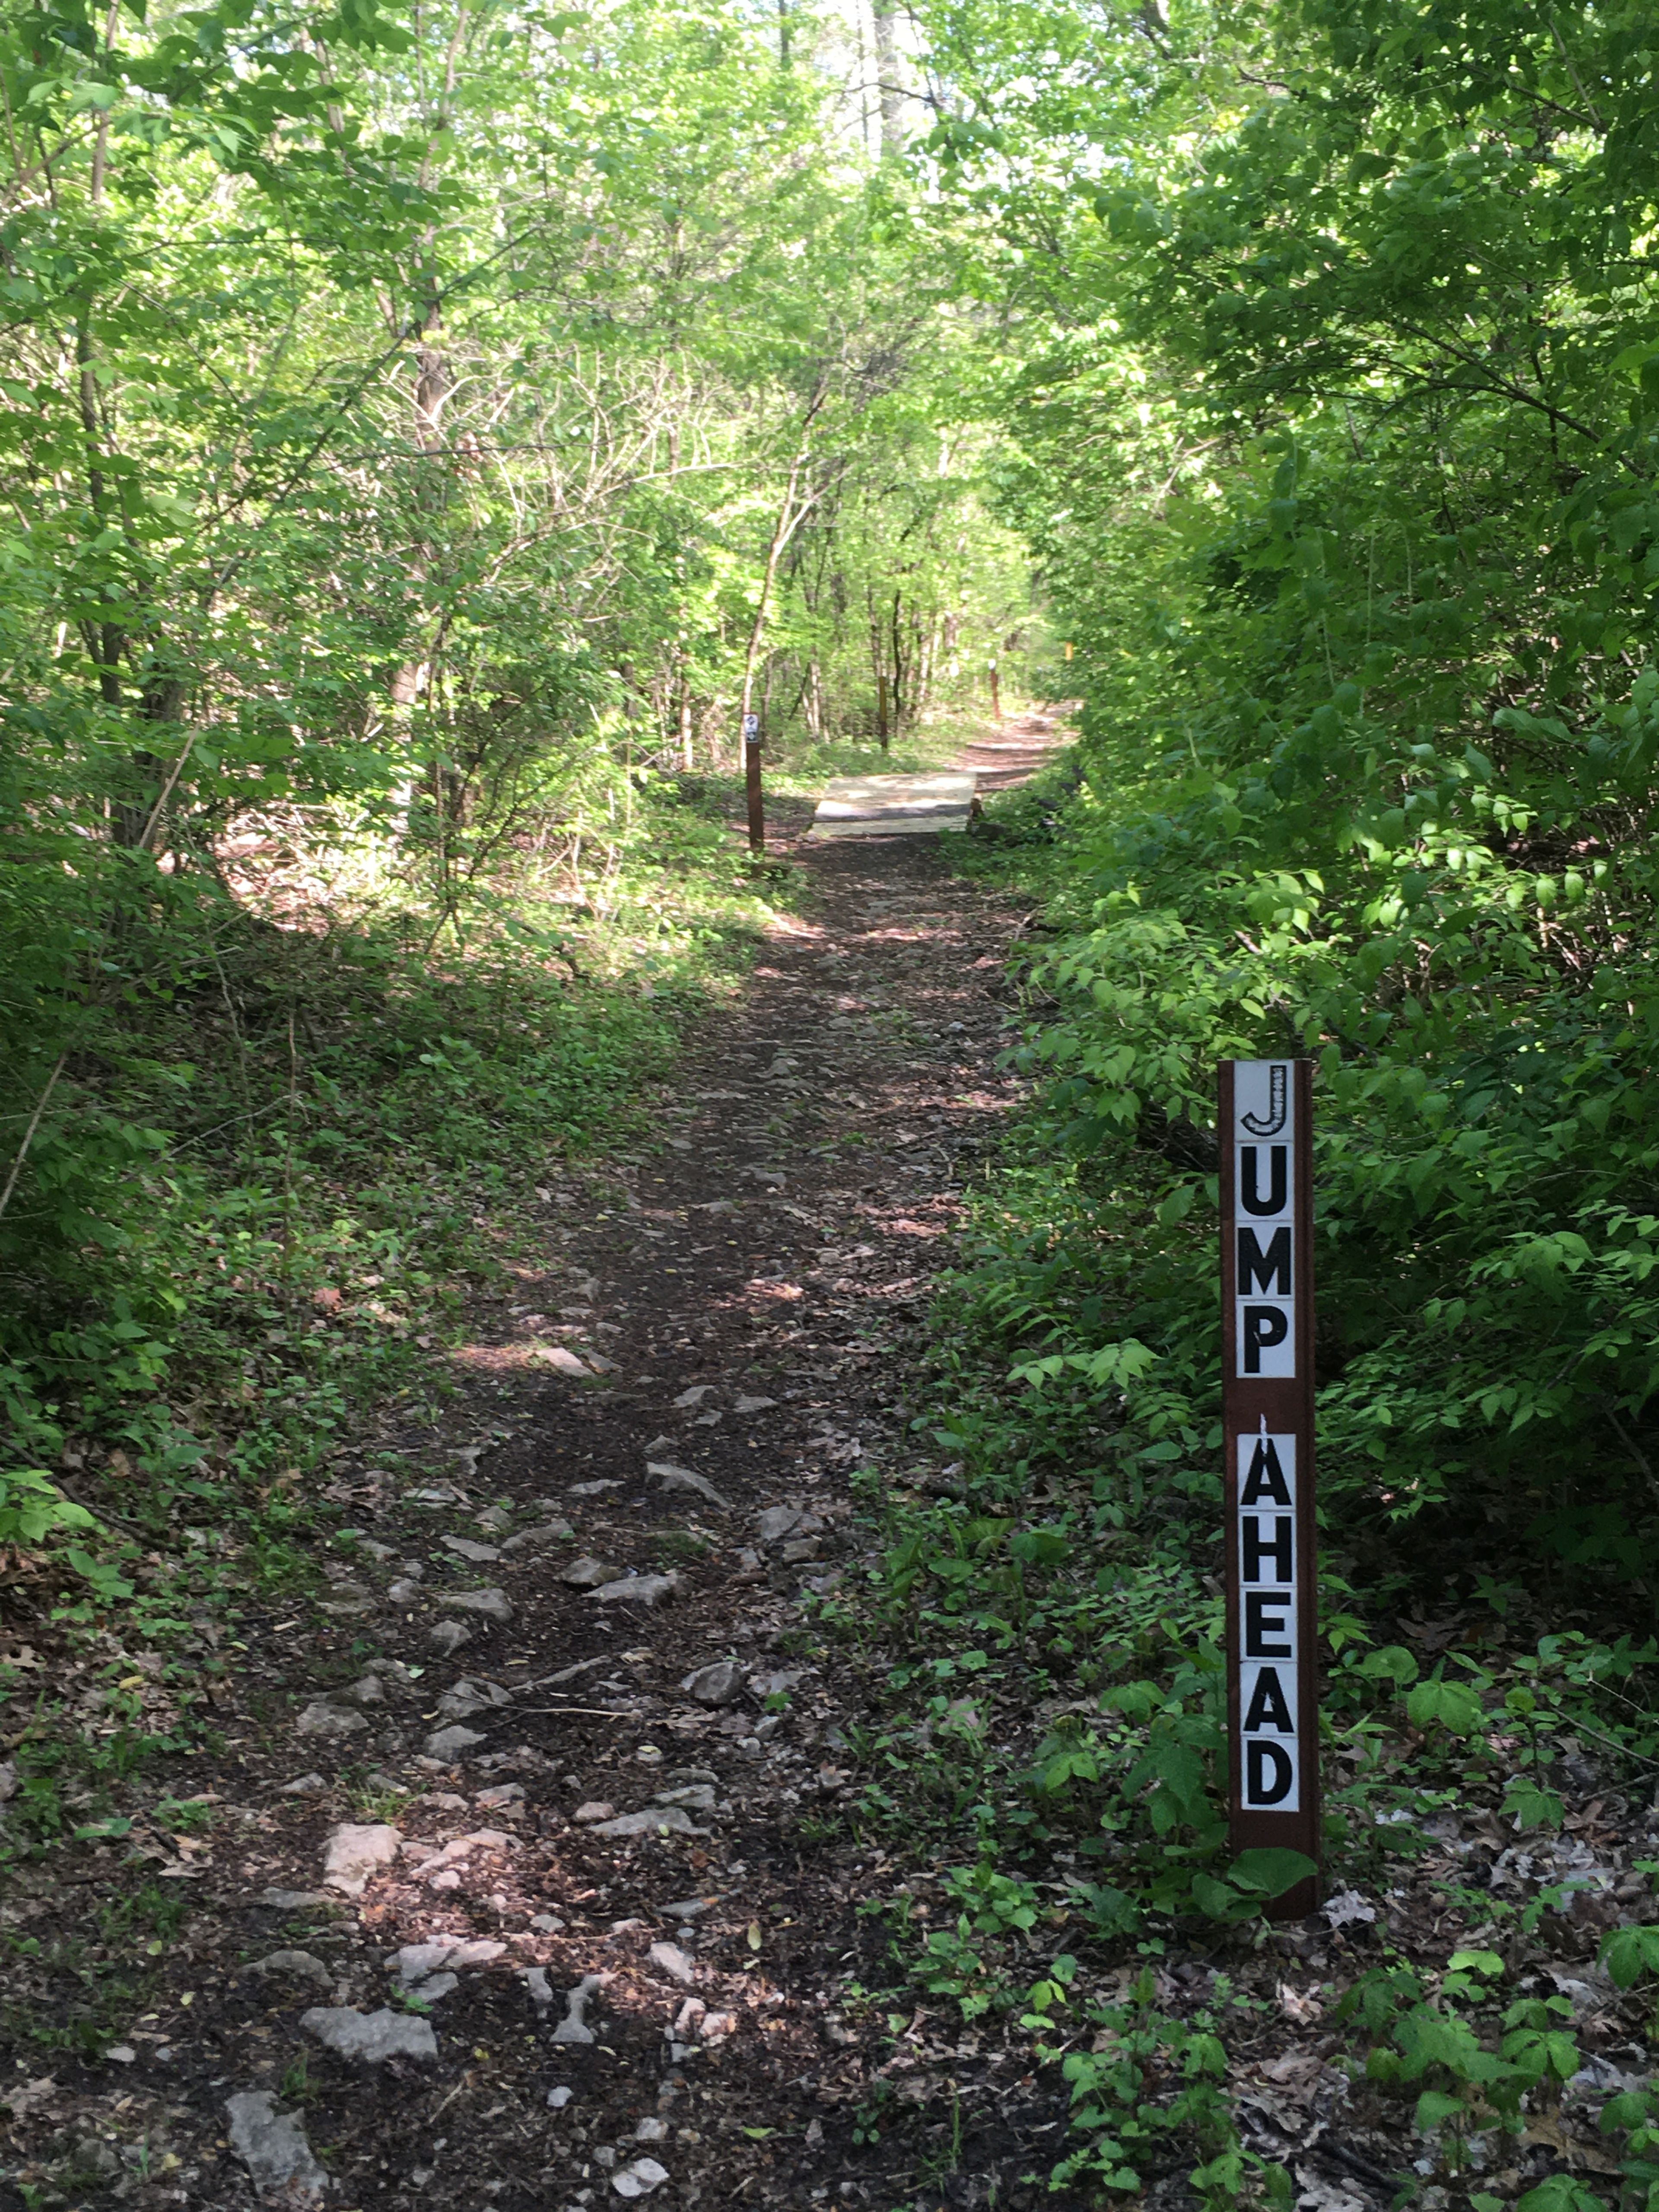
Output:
x=1446 y=1704
x=1254 y=1879
x=1561 y=2193
x=1468 y=2070
x=1361 y=579
x=1631 y=1953
x=1113 y=2104
x=958 y=1962
x=33 y=1507
x=398 y=411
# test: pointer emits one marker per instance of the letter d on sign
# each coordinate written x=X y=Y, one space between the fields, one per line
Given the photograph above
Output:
x=1267 y=1336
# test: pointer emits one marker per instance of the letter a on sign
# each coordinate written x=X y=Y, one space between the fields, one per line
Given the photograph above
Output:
x=1267 y=1331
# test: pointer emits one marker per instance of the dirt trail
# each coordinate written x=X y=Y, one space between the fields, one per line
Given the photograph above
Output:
x=685 y=1858
x=1016 y=749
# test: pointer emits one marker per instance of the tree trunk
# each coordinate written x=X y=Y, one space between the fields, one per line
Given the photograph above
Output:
x=878 y=668
x=133 y=819
x=791 y=516
x=889 y=85
x=433 y=383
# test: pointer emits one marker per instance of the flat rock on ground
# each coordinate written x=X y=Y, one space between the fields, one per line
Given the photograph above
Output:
x=272 y=2146
x=373 y=2037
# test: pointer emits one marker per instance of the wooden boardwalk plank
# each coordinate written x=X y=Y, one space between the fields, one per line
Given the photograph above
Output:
x=894 y=805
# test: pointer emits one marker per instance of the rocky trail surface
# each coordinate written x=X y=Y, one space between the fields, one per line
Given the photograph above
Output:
x=533 y=1880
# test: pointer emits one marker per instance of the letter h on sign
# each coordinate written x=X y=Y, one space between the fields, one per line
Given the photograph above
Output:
x=1266 y=1295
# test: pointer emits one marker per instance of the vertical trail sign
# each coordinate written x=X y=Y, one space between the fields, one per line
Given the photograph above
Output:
x=751 y=780
x=1267 y=1403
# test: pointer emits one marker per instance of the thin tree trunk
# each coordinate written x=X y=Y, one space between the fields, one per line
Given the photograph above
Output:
x=22 y=1151
x=432 y=378
x=889 y=85
x=878 y=668
x=791 y=516
x=132 y=819
x=863 y=89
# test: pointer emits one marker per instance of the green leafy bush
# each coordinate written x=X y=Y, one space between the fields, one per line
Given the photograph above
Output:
x=33 y=1509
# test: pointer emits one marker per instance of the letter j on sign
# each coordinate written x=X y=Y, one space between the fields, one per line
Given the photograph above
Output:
x=1267 y=1338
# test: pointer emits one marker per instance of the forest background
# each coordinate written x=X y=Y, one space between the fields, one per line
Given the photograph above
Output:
x=425 y=432
x=425 y=428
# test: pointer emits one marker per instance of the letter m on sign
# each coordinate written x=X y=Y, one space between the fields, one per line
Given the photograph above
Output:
x=1264 y=1270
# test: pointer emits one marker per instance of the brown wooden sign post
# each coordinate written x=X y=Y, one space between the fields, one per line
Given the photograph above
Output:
x=1267 y=1409
x=751 y=780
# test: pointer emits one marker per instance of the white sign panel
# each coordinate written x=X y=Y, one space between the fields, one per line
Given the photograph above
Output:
x=1264 y=1213
x=1268 y=1641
